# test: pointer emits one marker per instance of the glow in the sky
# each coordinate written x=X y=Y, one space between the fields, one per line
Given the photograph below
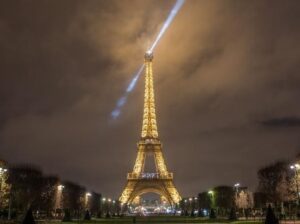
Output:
x=117 y=111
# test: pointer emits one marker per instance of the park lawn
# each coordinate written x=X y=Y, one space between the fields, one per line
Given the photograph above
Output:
x=154 y=219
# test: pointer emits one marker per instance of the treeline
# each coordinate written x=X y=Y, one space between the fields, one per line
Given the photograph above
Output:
x=26 y=186
x=278 y=186
x=220 y=201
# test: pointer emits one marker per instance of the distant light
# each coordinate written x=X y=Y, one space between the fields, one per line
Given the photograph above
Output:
x=295 y=166
x=237 y=185
x=60 y=187
x=210 y=192
x=190 y=199
x=88 y=194
x=103 y=199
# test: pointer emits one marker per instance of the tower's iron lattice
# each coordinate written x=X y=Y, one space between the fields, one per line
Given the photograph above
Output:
x=139 y=182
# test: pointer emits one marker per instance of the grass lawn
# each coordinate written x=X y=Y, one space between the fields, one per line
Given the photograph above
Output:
x=154 y=219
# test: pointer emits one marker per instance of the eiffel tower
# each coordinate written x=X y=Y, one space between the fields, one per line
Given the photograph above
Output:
x=138 y=181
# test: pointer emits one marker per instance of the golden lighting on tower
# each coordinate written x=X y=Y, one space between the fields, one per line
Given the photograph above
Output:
x=138 y=181
x=149 y=128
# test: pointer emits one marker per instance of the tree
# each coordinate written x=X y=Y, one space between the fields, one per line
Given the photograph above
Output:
x=26 y=186
x=67 y=216
x=28 y=219
x=48 y=195
x=4 y=186
x=87 y=215
x=192 y=213
x=95 y=203
x=274 y=182
x=224 y=199
x=232 y=214
x=270 y=217
x=212 y=214
x=204 y=200
x=260 y=200
x=73 y=197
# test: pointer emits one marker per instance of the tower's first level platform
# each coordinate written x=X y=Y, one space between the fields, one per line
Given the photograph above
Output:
x=150 y=176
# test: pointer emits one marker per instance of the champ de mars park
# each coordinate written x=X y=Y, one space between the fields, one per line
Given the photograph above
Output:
x=149 y=111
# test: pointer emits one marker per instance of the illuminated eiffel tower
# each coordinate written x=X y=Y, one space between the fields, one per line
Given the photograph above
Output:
x=139 y=182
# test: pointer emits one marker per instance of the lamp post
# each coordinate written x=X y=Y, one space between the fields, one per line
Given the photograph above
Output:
x=109 y=206
x=211 y=194
x=196 y=203
x=236 y=186
x=104 y=206
x=59 y=196
x=87 y=200
x=191 y=204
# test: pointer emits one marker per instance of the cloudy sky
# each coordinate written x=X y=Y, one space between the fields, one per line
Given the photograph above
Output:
x=227 y=88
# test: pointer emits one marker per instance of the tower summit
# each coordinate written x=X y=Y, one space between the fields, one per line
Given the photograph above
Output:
x=138 y=181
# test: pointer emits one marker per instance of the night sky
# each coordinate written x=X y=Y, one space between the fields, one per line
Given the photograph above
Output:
x=227 y=84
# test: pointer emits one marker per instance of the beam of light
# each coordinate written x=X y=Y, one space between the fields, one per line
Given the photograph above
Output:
x=117 y=111
x=120 y=103
x=134 y=80
x=169 y=20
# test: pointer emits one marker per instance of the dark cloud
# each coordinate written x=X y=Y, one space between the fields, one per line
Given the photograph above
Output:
x=282 y=122
x=220 y=68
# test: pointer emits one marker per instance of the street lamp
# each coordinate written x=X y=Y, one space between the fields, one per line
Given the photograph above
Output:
x=60 y=187
x=212 y=199
x=2 y=170
x=237 y=185
x=87 y=197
